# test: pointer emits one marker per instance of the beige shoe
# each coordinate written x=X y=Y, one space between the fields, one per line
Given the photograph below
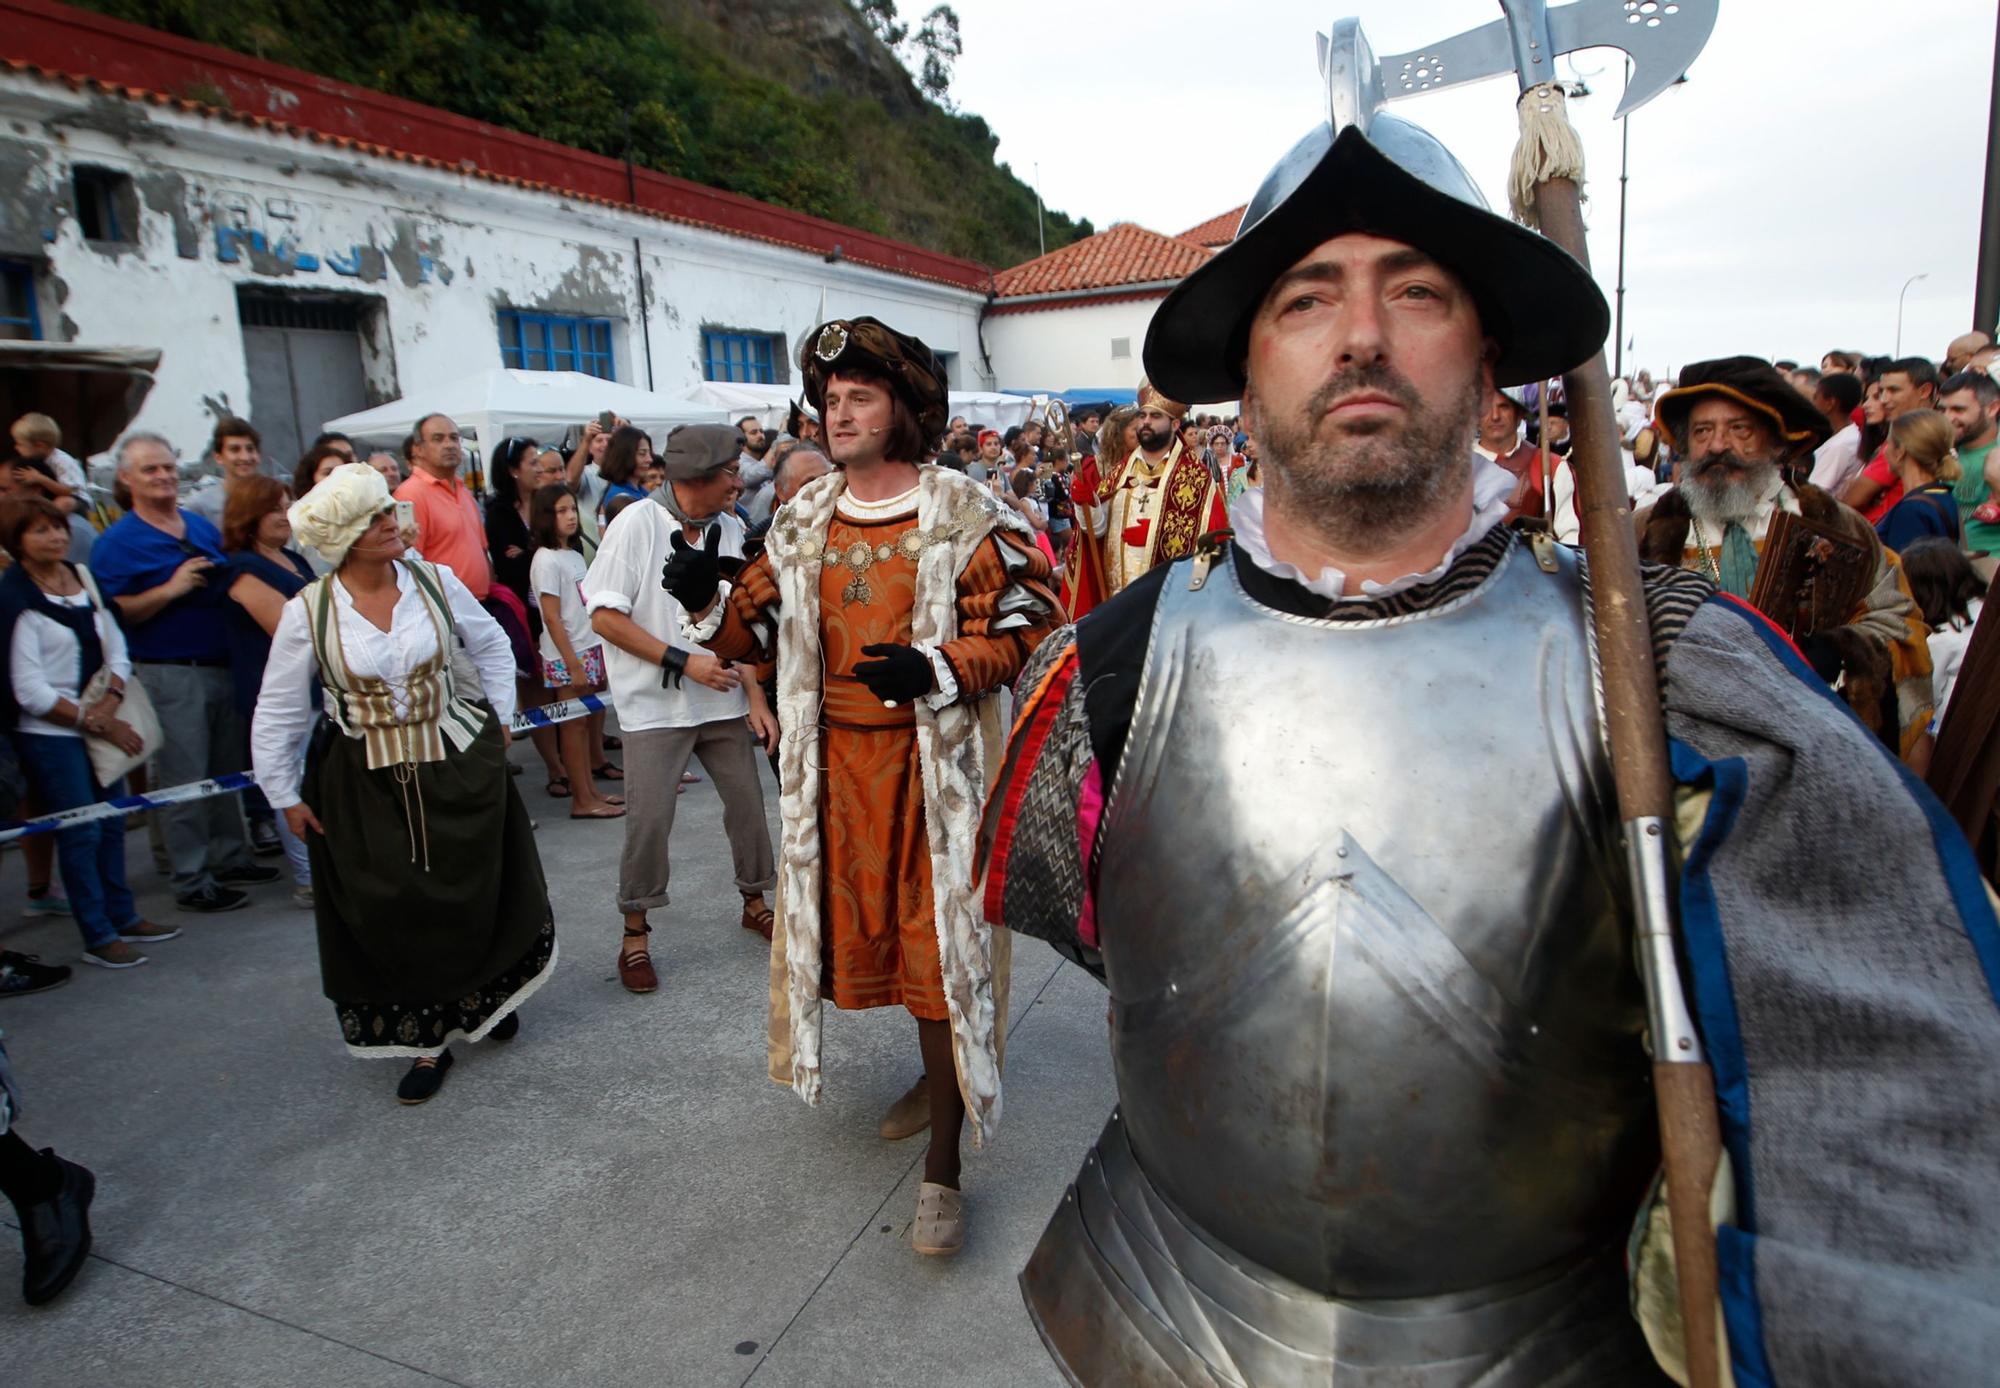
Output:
x=940 y=1226
x=910 y=1114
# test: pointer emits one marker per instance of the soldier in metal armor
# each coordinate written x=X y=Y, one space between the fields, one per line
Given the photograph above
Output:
x=1328 y=808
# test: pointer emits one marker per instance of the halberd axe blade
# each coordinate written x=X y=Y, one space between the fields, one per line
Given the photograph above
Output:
x=1662 y=37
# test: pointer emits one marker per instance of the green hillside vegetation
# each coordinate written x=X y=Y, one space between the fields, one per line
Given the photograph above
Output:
x=796 y=102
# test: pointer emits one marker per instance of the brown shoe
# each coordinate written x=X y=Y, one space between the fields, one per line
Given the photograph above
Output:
x=635 y=967
x=940 y=1223
x=910 y=1114
x=116 y=955
x=758 y=917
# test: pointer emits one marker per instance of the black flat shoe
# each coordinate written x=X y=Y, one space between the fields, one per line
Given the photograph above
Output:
x=506 y=1029
x=55 y=1233
x=424 y=1081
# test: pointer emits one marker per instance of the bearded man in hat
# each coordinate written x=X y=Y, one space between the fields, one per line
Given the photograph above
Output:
x=1737 y=423
x=1149 y=507
x=1329 y=811
x=897 y=600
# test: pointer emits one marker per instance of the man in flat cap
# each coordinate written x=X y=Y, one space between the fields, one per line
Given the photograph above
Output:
x=1149 y=507
x=1736 y=421
x=675 y=700
x=897 y=599
x=1330 y=812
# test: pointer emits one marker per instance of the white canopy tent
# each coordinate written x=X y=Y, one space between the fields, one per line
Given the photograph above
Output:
x=492 y=404
x=770 y=404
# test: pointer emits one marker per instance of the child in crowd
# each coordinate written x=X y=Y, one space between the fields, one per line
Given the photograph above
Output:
x=1945 y=586
x=572 y=653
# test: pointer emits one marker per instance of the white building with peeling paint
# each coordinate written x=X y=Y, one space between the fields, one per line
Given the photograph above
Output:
x=299 y=249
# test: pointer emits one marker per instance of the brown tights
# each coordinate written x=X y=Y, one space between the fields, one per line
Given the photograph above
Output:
x=947 y=1104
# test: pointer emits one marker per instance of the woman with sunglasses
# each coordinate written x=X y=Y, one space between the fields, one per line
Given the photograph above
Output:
x=432 y=911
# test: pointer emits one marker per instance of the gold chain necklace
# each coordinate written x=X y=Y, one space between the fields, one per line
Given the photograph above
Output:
x=1708 y=561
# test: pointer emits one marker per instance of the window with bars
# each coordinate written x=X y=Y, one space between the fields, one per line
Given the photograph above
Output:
x=20 y=319
x=747 y=358
x=556 y=342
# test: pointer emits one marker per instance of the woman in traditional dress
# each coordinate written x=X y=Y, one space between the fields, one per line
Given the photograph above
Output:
x=433 y=914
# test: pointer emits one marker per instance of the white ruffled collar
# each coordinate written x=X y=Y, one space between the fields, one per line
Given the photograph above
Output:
x=1491 y=486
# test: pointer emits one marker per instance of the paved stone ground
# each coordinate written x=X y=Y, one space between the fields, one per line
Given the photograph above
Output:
x=618 y=1197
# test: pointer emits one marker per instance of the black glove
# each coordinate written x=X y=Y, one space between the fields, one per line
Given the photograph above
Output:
x=898 y=675
x=673 y=664
x=692 y=575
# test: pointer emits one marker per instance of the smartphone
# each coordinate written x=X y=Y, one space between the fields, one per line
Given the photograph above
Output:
x=406 y=515
x=607 y=421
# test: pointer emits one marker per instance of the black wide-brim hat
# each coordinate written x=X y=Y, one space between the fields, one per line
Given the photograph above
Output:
x=1396 y=181
x=1749 y=381
x=872 y=347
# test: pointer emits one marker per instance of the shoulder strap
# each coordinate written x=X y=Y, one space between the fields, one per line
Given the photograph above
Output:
x=90 y=587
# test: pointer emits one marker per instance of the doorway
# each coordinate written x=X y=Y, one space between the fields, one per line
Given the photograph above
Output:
x=304 y=359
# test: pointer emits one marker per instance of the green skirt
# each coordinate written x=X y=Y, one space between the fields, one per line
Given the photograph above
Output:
x=432 y=912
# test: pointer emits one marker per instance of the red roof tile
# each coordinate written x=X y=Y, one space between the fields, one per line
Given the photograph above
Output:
x=97 y=53
x=1217 y=231
x=1125 y=254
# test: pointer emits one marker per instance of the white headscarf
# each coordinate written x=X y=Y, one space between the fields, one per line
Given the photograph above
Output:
x=332 y=516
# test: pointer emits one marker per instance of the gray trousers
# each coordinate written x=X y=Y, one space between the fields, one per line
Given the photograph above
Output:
x=202 y=736
x=654 y=761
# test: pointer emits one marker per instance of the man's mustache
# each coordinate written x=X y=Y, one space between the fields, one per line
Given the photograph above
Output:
x=1375 y=376
x=1697 y=467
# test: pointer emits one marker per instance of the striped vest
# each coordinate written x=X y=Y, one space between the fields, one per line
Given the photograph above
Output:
x=366 y=708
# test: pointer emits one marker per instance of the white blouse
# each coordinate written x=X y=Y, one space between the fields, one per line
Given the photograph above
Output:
x=43 y=663
x=284 y=717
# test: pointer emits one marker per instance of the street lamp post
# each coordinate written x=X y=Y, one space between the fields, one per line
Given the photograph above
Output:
x=1624 y=169
x=1899 y=308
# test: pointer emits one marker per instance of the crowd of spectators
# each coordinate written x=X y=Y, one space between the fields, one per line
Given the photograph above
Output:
x=178 y=589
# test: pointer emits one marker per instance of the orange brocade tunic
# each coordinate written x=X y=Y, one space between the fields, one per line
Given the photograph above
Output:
x=878 y=941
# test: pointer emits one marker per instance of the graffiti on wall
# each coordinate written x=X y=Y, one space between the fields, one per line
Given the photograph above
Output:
x=280 y=236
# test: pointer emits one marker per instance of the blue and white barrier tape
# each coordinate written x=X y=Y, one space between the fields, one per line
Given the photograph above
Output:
x=525 y=722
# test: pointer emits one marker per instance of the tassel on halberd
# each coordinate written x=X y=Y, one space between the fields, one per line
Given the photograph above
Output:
x=1549 y=148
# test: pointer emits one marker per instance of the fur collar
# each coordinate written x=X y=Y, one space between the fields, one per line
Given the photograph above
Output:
x=953 y=747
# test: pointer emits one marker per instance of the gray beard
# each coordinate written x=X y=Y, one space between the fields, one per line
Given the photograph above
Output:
x=1363 y=492
x=1734 y=502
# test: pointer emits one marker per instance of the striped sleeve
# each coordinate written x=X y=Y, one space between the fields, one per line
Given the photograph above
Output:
x=1042 y=812
x=1006 y=607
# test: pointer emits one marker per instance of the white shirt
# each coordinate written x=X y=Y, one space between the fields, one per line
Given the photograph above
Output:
x=69 y=471
x=1837 y=461
x=1491 y=486
x=284 y=716
x=625 y=577
x=43 y=663
x=560 y=573
x=1948 y=644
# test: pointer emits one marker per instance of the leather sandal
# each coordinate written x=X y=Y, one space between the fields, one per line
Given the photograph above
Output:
x=940 y=1225
x=910 y=1114
x=758 y=917
x=635 y=969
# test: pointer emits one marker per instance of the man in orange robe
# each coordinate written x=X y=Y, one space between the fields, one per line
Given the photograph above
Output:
x=897 y=600
x=1148 y=508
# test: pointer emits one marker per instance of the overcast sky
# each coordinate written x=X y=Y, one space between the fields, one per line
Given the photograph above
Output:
x=1819 y=155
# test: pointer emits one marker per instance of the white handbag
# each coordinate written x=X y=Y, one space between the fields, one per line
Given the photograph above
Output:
x=107 y=762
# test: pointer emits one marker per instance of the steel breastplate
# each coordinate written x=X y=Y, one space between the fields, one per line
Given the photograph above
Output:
x=1375 y=1019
